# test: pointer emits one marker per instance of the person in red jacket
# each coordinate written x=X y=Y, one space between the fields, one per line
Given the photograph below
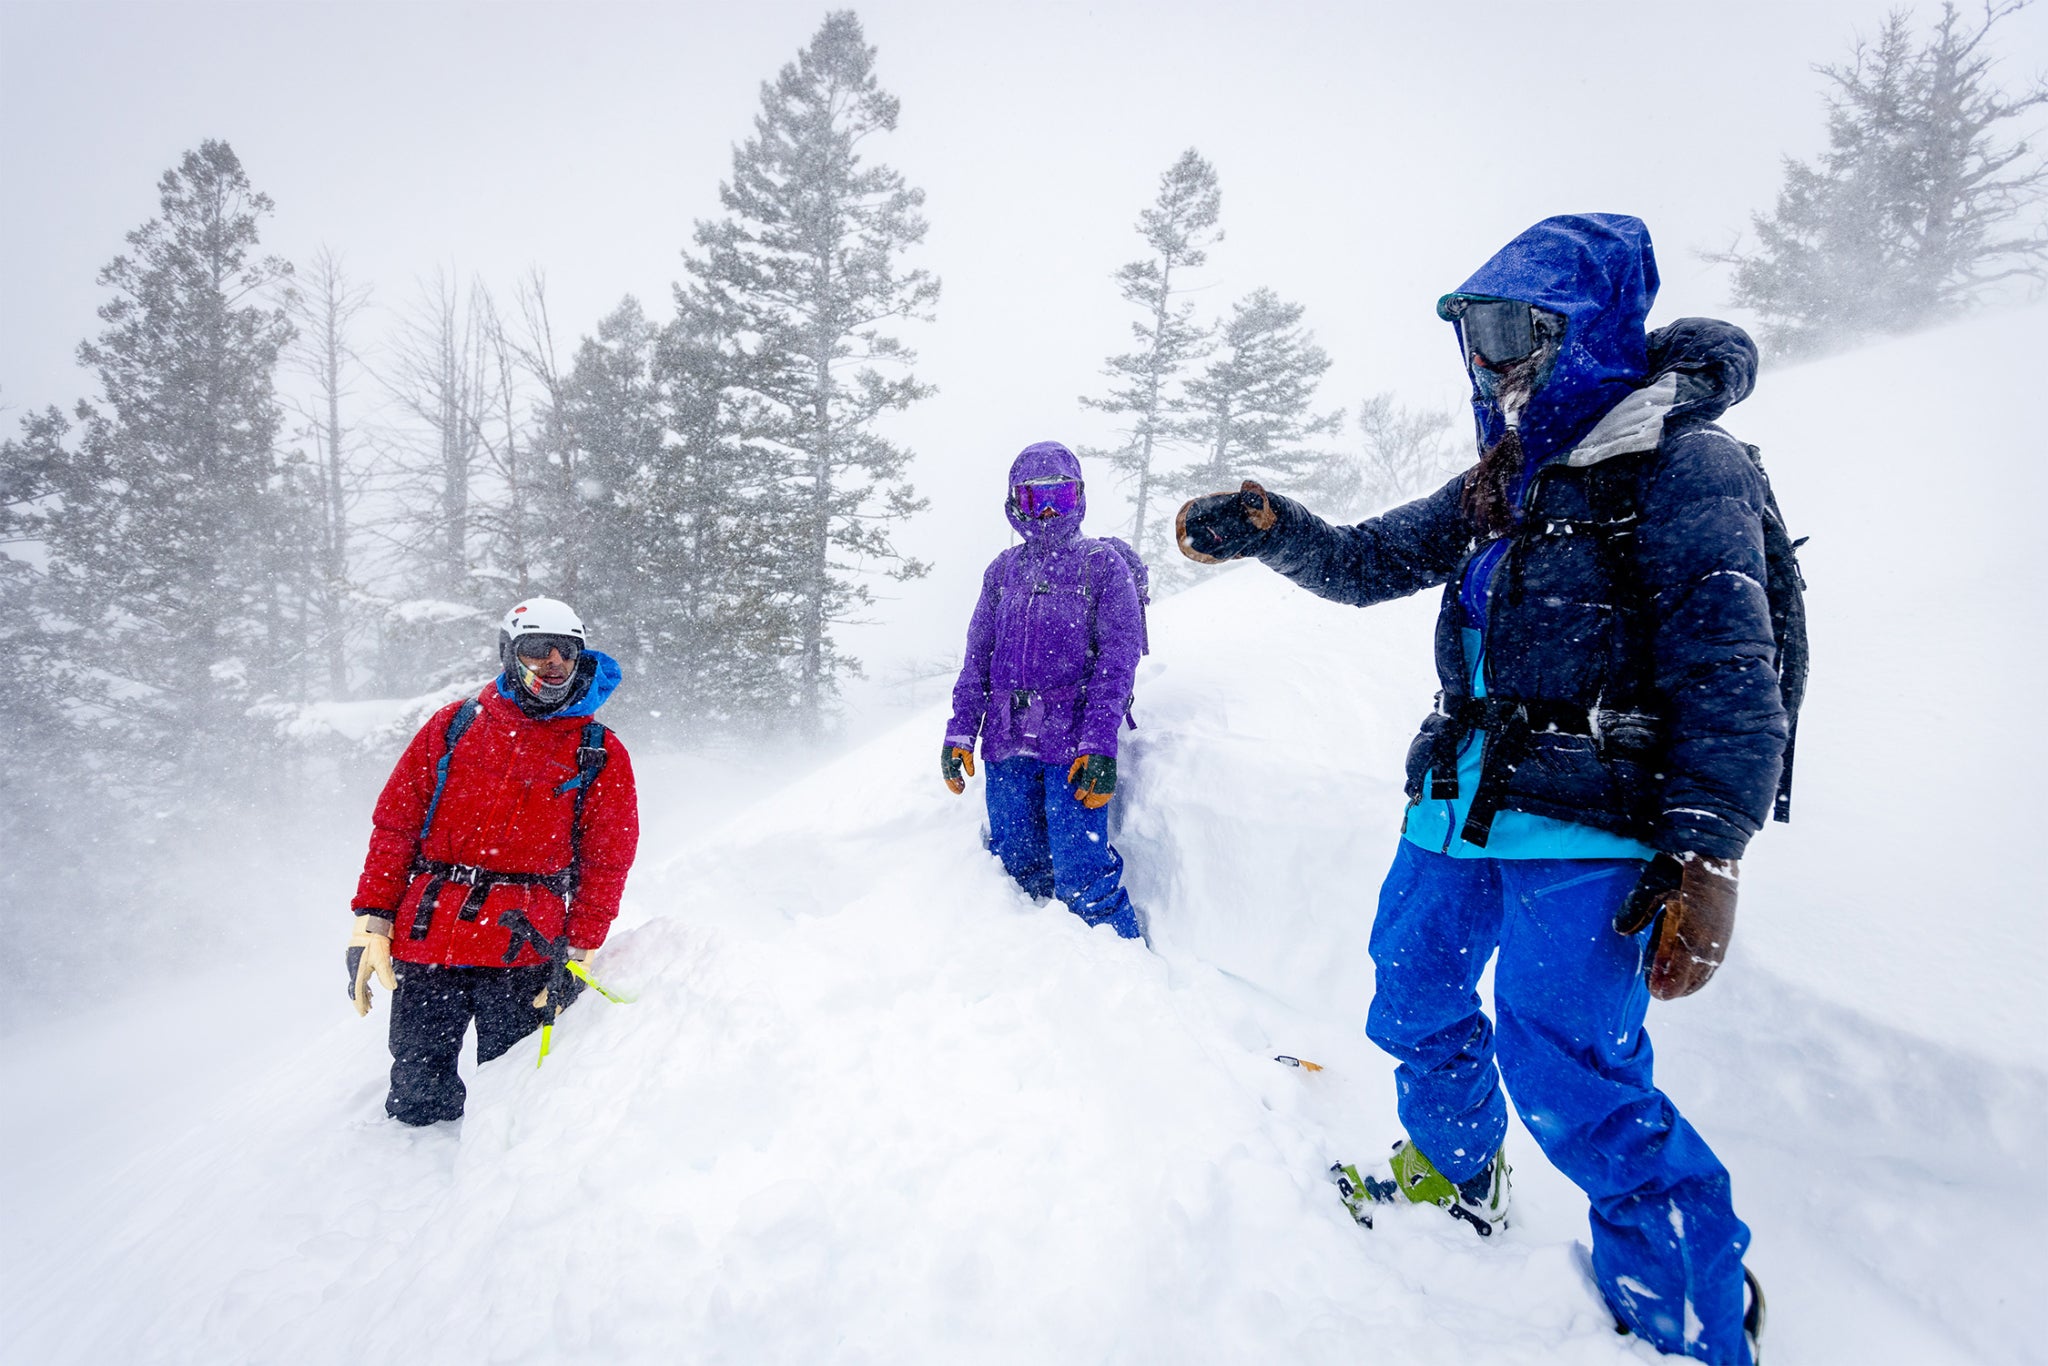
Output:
x=501 y=847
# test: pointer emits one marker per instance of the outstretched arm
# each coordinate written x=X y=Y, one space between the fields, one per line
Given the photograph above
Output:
x=1416 y=546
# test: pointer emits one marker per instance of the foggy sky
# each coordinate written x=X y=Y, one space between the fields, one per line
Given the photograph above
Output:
x=1370 y=157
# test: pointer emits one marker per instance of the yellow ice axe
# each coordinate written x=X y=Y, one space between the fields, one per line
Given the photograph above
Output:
x=582 y=974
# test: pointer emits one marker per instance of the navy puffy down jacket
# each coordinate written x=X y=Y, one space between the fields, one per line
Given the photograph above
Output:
x=1631 y=590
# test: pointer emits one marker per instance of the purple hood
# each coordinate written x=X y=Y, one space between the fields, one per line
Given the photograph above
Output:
x=1045 y=460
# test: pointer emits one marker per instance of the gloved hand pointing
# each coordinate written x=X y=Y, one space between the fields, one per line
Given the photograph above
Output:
x=1098 y=779
x=369 y=951
x=952 y=759
x=1224 y=526
x=1691 y=899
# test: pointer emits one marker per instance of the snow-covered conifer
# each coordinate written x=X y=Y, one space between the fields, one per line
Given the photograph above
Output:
x=1250 y=410
x=1917 y=209
x=174 y=523
x=802 y=278
x=1179 y=226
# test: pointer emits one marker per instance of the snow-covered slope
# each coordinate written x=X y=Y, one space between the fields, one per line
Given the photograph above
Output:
x=875 y=1105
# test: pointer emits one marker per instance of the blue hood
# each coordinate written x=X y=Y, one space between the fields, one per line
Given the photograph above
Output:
x=1599 y=271
x=603 y=679
x=1045 y=460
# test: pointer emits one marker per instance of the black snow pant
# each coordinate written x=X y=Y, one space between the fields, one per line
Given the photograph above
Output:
x=430 y=1011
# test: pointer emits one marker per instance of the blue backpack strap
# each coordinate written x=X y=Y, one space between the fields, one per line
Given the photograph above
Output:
x=458 y=726
x=590 y=758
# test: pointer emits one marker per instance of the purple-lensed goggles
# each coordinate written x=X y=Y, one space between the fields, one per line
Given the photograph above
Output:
x=1047 y=498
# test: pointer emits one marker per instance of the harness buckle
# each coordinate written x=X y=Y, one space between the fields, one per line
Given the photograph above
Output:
x=469 y=875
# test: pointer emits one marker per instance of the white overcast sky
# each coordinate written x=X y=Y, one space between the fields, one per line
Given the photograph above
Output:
x=1371 y=155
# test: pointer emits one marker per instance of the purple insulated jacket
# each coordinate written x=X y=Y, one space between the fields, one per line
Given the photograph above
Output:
x=1054 y=643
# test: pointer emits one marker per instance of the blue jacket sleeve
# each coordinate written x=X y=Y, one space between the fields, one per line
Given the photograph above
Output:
x=970 y=690
x=1405 y=550
x=1700 y=556
x=1113 y=668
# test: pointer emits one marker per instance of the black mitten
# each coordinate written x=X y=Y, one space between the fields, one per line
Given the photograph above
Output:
x=1224 y=526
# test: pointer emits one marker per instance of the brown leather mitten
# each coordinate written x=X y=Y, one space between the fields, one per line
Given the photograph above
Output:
x=1690 y=898
x=1224 y=526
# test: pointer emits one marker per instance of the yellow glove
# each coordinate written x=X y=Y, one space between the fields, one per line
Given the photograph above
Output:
x=369 y=951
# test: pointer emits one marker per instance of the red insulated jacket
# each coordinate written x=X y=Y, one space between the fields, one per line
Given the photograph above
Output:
x=499 y=811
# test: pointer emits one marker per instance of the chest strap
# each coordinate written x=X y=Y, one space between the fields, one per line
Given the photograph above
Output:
x=468 y=876
x=1511 y=725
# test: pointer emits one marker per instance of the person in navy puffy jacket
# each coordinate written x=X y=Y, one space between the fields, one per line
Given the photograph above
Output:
x=1052 y=650
x=1607 y=740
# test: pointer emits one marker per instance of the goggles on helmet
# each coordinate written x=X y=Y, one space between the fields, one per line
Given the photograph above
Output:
x=1497 y=331
x=538 y=647
x=1040 y=498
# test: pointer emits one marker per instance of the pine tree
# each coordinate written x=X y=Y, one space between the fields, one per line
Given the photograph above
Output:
x=1916 y=210
x=802 y=275
x=1178 y=227
x=721 y=617
x=1250 y=409
x=68 y=846
x=172 y=538
x=605 y=445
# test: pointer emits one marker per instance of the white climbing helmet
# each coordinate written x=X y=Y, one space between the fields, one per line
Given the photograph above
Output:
x=543 y=617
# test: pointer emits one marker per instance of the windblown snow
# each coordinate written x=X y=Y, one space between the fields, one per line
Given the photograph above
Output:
x=875 y=1105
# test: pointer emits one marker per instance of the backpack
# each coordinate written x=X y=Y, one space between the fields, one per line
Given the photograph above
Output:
x=1785 y=586
x=1143 y=577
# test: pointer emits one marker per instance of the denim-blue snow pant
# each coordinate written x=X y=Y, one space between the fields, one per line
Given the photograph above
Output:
x=1055 y=846
x=1570 y=994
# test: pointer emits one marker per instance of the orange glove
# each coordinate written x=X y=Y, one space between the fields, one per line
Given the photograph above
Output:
x=1097 y=773
x=952 y=759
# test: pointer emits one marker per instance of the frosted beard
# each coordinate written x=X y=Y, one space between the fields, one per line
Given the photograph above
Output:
x=1489 y=496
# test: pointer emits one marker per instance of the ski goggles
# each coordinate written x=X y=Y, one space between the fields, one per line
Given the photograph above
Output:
x=1497 y=331
x=1047 y=498
x=539 y=647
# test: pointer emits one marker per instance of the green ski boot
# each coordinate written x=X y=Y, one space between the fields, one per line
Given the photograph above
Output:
x=1481 y=1201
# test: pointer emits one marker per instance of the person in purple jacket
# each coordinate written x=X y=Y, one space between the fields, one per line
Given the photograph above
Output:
x=1051 y=654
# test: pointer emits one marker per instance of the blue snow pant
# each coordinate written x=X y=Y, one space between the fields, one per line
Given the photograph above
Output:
x=1570 y=994
x=1053 y=845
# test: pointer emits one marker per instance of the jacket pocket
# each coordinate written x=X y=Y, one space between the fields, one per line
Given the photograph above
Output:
x=1422 y=752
